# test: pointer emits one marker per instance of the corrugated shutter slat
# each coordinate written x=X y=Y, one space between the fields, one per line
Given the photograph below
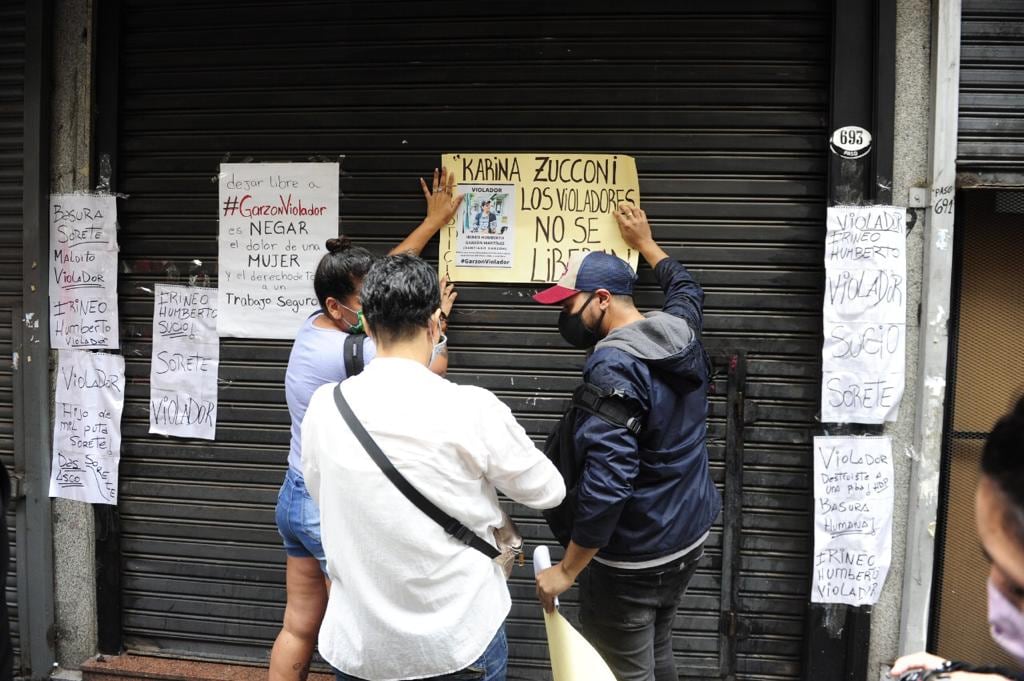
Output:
x=12 y=99
x=991 y=123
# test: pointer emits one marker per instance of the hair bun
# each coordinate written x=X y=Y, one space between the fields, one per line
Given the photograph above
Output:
x=339 y=244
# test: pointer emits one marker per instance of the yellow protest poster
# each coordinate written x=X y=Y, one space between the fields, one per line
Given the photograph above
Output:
x=572 y=657
x=524 y=214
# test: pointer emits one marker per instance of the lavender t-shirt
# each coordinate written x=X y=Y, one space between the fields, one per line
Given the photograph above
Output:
x=316 y=359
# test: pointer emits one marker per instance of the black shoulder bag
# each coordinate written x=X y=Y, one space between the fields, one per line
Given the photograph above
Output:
x=560 y=448
x=507 y=536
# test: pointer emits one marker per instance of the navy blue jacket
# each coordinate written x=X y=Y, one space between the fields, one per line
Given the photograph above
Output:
x=646 y=497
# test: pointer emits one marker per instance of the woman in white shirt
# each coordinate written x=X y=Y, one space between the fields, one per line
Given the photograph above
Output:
x=408 y=600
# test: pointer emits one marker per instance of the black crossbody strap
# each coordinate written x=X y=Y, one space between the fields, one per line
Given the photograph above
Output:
x=353 y=353
x=448 y=523
x=613 y=407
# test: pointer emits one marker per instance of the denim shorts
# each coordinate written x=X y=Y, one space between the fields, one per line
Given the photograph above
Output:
x=491 y=666
x=298 y=520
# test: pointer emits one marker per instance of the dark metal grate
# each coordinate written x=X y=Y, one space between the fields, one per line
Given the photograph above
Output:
x=1009 y=202
x=985 y=380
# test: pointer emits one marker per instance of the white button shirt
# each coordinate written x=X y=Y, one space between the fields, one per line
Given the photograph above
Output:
x=407 y=600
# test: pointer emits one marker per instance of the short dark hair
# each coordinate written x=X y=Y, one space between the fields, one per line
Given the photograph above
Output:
x=400 y=293
x=1002 y=461
x=340 y=270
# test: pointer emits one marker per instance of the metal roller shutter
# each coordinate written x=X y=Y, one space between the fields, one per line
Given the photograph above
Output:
x=991 y=130
x=12 y=77
x=724 y=109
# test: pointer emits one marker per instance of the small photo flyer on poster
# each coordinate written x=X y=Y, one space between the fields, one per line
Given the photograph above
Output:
x=486 y=234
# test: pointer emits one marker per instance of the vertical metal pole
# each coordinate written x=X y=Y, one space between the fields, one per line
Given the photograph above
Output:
x=732 y=516
x=35 y=564
x=108 y=519
x=18 y=487
x=863 y=94
x=933 y=346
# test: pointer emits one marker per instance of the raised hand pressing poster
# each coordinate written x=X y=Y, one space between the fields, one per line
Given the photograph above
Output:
x=83 y=272
x=87 y=426
x=274 y=220
x=525 y=214
x=863 y=354
x=186 y=358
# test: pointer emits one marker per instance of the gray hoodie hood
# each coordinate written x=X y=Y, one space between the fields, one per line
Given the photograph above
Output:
x=664 y=342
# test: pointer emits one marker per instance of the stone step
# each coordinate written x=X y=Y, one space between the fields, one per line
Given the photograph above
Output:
x=149 y=668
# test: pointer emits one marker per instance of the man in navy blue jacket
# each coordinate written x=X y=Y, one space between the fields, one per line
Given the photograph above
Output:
x=645 y=502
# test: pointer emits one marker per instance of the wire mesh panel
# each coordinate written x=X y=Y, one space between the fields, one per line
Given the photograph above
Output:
x=987 y=378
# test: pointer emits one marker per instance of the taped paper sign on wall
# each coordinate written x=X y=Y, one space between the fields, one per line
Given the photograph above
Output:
x=486 y=226
x=83 y=272
x=865 y=310
x=87 y=426
x=853 y=505
x=525 y=214
x=186 y=359
x=274 y=220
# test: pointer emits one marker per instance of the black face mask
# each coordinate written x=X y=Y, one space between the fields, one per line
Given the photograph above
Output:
x=575 y=332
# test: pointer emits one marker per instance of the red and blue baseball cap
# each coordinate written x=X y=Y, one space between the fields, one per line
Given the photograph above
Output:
x=588 y=272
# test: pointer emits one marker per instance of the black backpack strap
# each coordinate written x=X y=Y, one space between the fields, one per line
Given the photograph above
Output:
x=353 y=353
x=612 y=406
x=448 y=523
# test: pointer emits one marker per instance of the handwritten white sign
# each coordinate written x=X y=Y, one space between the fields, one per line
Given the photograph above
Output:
x=87 y=426
x=186 y=358
x=853 y=503
x=864 y=353
x=274 y=221
x=83 y=272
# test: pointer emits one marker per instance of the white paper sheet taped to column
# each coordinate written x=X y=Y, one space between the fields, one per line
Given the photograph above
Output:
x=572 y=658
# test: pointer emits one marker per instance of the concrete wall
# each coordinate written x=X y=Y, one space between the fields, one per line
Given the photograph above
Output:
x=910 y=169
x=71 y=154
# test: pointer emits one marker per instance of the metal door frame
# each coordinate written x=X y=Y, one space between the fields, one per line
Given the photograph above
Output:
x=32 y=443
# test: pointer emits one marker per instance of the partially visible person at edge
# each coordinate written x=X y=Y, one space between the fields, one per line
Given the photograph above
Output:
x=646 y=502
x=316 y=359
x=408 y=600
x=999 y=513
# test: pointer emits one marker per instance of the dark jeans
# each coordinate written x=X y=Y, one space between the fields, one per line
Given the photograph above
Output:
x=491 y=666
x=627 y=616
